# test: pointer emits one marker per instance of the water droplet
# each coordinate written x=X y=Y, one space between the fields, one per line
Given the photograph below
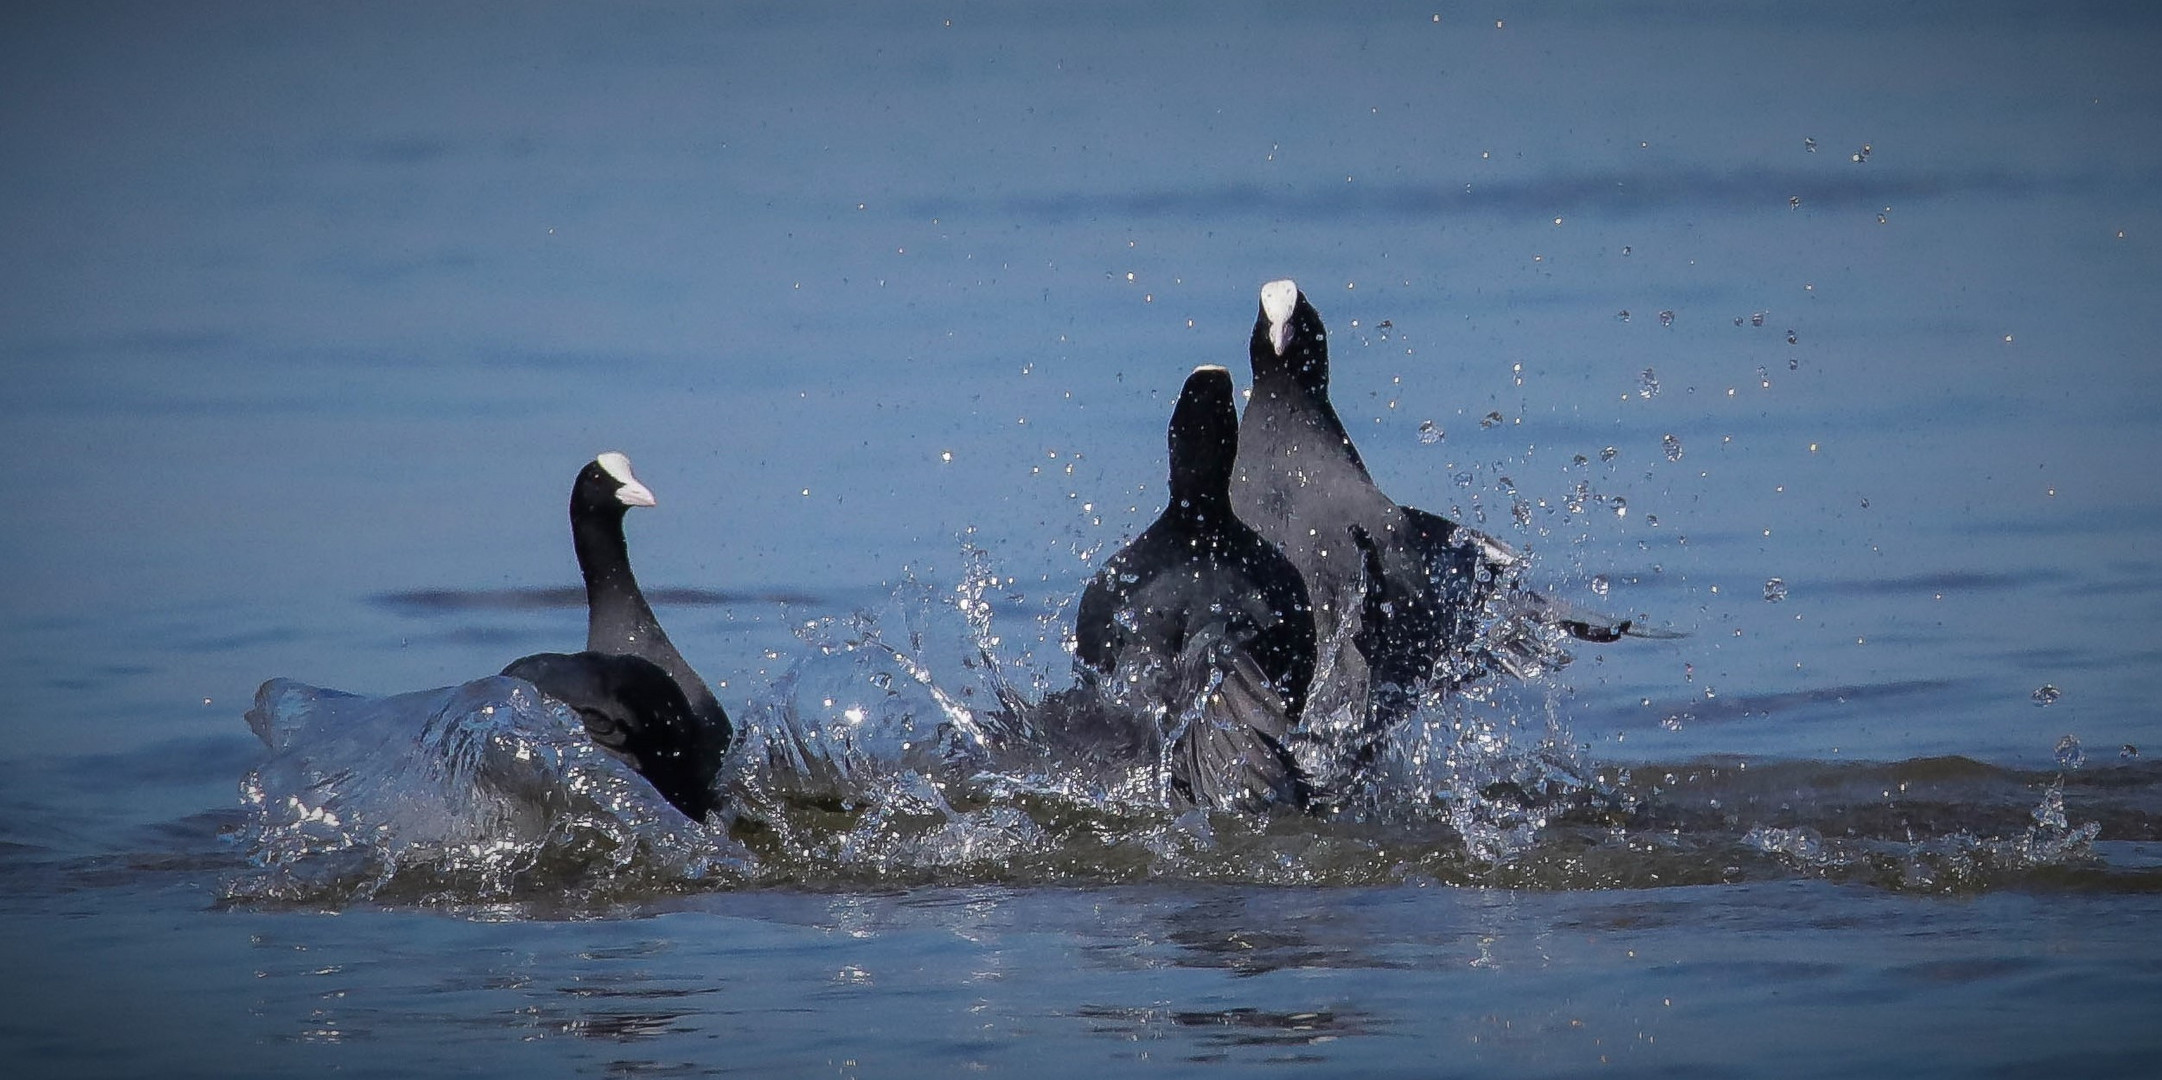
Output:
x=1429 y=434
x=2128 y=752
x=1673 y=722
x=1521 y=511
x=1625 y=248
x=1579 y=460
x=1623 y=314
x=1608 y=454
x=1490 y=419
x=1764 y=378
x=2047 y=694
x=1775 y=590
x=1792 y=338
x=1599 y=587
x=1666 y=318
x=1648 y=384
x=1794 y=202
x=2069 y=753
x=1673 y=447
x=1756 y=318
x=1621 y=506
x=1808 y=143
x=1794 y=363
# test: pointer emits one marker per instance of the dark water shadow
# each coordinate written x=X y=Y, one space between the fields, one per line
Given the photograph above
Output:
x=1765 y=706
x=1621 y=195
x=427 y=602
x=1225 y=1029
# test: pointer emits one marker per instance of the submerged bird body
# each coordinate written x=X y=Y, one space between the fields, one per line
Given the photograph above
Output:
x=632 y=708
x=637 y=696
x=1202 y=618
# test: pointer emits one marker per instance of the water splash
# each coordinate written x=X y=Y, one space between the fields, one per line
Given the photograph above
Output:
x=468 y=793
x=2068 y=752
x=932 y=740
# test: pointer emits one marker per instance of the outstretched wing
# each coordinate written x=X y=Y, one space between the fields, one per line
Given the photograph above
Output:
x=1229 y=751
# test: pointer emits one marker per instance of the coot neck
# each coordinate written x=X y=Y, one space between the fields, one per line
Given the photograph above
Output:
x=612 y=594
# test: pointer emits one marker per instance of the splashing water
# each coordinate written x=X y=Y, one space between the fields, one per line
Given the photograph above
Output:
x=471 y=792
x=2069 y=754
x=939 y=740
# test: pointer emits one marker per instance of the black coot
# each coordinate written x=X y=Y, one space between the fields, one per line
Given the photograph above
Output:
x=635 y=693
x=1398 y=592
x=1203 y=618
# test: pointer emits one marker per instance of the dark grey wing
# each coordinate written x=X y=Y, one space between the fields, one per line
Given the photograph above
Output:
x=1230 y=752
x=1283 y=641
x=1503 y=624
x=632 y=708
x=1421 y=602
x=1097 y=637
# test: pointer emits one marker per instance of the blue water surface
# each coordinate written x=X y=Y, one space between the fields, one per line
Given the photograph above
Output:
x=309 y=315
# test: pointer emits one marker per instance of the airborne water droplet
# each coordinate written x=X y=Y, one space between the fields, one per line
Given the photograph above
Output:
x=1673 y=446
x=1429 y=434
x=2047 y=694
x=1648 y=384
x=1608 y=454
x=1666 y=318
x=2069 y=753
x=1775 y=590
x=1490 y=419
x=1621 y=507
x=1600 y=585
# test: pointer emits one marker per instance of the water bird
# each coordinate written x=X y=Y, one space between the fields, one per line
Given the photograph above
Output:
x=1201 y=618
x=1400 y=595
x=636 y=695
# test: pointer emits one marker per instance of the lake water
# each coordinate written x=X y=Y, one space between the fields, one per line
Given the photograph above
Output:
x=309 y=317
